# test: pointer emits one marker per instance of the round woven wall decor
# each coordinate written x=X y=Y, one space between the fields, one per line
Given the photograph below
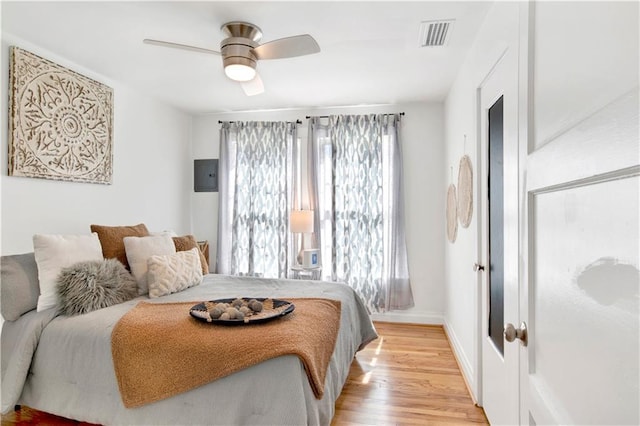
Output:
x=465 y=191
x=452 y=214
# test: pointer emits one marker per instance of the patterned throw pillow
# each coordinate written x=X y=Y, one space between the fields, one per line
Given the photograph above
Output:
x=173 y=273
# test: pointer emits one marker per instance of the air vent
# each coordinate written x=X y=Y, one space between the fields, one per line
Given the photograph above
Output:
x=435 y=33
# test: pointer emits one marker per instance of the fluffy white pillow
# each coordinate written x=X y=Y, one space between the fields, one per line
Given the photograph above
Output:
x=174 y=273
x=54 y=252
x=139 y=249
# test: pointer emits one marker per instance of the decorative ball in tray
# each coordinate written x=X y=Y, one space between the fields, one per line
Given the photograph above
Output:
x=241 y=310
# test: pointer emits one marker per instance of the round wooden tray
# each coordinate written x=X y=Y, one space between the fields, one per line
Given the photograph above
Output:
x=271 y=309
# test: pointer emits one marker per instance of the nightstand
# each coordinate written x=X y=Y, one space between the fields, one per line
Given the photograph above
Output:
x=302 y=273
x=204 y=248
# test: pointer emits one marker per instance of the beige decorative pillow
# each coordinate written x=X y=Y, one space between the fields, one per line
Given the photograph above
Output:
x=54 y=252
x=140 y=249
x=173 y=273
x=187 y=242
x=111 y=239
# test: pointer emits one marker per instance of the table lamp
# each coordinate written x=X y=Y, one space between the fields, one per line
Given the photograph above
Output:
x=301 y=222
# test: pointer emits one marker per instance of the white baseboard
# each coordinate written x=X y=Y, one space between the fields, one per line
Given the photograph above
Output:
x=414 y=317
x=463 y=360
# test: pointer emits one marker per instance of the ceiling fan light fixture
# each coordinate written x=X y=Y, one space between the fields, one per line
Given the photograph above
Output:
x=240 y=72
x=241 y=50
x=239 y=67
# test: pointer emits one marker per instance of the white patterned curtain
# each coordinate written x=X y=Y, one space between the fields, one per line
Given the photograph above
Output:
x=256 y=193
x=355 y=175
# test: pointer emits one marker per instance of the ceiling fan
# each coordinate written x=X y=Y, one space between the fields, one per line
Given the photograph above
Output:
x=241 y=50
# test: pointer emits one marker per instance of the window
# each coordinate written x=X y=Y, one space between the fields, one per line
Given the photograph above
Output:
x=355 y=170
x=257 y=171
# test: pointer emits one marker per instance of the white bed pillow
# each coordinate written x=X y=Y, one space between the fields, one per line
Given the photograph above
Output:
x=174 y=273
x=54 y=252
x=139 y=249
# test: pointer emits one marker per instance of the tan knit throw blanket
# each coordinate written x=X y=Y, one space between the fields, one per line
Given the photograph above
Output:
x=159 y=350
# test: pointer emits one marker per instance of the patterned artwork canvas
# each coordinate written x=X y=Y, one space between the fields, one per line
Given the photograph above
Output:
x=60 y=122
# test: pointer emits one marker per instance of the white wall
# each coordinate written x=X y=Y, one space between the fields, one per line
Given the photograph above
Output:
x=423 y=150
x=499 y=30
x=152 y=177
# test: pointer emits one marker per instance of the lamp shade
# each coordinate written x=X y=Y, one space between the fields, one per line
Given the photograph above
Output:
x=301 y=221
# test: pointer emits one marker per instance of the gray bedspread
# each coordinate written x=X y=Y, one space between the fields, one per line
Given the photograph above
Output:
x=63 y=365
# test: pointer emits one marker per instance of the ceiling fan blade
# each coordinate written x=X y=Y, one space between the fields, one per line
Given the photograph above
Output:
x=179 y=46
x=253 y=87
x=287 y=47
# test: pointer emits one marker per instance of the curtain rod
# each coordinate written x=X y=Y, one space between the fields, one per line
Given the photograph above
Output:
x=326 y=116
x=220 y=122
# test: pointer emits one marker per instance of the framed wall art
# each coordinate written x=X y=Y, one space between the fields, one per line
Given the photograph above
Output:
x=60 y=122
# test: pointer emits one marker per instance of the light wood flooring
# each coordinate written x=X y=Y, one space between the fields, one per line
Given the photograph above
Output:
x=408 y=376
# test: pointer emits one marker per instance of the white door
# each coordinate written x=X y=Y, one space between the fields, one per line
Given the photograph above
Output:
x=498 y=225
x=577 y=255
x=580 y=230
x=581 y=305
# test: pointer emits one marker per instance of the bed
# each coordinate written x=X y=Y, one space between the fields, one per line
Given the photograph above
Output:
x=63 y=365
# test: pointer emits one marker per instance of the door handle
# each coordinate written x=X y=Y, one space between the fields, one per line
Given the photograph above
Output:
x=511 y=333
x=478 y=267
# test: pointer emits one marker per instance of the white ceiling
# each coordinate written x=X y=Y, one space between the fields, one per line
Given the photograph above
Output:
x=370 y=52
